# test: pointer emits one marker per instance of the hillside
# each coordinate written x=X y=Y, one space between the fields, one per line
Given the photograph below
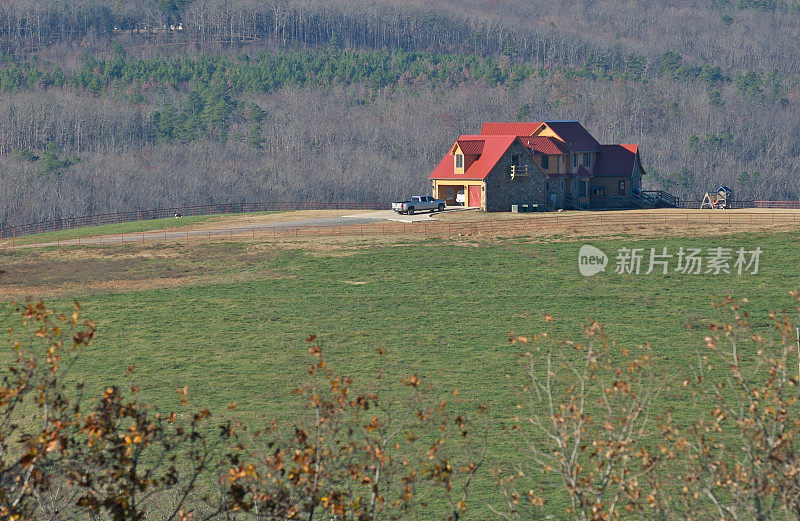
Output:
x=229 y=318
x=121 y=105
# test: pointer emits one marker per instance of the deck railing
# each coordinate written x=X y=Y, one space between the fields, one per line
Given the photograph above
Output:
x=518 y=171
x=667 y=197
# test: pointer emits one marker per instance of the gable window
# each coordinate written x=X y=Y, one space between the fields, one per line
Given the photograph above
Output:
x=459 y=161
x=587 y=160
x=514 y=160
x=575 y=161
x=545 y=162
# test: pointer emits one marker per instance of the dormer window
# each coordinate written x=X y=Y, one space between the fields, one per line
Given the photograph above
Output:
x=459 y=161
x=545 y=162
x=587 y=160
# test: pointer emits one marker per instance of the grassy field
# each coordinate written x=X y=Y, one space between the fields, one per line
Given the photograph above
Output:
x=229 y=319
x=194 y=222
x=108 y=229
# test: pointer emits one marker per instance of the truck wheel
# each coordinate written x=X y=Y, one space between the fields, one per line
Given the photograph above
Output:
x=411 y=210
x=441 y=207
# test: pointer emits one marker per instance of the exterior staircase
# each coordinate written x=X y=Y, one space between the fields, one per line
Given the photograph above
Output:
x=654 y=199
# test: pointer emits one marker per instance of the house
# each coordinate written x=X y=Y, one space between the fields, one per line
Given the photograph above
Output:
x=555 y=164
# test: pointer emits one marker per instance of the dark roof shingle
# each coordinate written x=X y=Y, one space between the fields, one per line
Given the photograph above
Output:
x=616 y=160
x=577 y=138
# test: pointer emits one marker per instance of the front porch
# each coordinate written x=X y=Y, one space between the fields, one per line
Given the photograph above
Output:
x=467 y=194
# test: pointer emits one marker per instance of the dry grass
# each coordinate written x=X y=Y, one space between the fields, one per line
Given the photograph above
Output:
x=244 y=220
x=240 y=256
x=51 y=273
x=117 y=269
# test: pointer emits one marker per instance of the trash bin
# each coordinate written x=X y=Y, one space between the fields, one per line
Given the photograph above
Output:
x=514 y=208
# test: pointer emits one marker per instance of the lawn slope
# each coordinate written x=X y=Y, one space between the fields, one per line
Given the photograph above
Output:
x=232 y=324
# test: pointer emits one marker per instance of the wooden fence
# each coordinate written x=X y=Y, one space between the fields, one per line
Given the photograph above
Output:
x=146 y=215
x=777 y=204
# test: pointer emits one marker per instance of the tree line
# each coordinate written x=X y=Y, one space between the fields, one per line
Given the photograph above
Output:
x=733 y=33
x=119 y=120
x=211 y=145
x=266 y=71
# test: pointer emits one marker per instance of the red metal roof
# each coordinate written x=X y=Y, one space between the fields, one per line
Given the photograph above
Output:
x=612 y=160
x=493 y=149
x=509 y=129
x=616 y=160
x=445 y=168
x=544 y=145
x=574 y=135
x=471 y=146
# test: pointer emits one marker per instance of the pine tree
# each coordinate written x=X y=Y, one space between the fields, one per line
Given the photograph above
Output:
x=254 y=138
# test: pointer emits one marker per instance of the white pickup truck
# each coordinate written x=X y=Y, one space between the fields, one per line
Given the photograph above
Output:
x=417 y=203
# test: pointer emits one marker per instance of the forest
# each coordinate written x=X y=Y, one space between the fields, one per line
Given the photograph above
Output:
x=113 y=105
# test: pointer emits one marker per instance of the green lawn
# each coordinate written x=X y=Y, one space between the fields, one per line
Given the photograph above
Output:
x=441 y=310
x=108 y=229
x=129 y=227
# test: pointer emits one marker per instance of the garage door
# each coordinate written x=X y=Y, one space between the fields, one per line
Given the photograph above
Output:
x=474 y=196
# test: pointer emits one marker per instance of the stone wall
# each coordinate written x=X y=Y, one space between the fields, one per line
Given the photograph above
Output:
x=501 y=191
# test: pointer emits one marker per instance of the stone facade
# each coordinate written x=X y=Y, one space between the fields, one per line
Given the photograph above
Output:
x=500 y=191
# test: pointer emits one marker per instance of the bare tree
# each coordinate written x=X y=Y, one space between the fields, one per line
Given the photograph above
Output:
x=585 y=418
